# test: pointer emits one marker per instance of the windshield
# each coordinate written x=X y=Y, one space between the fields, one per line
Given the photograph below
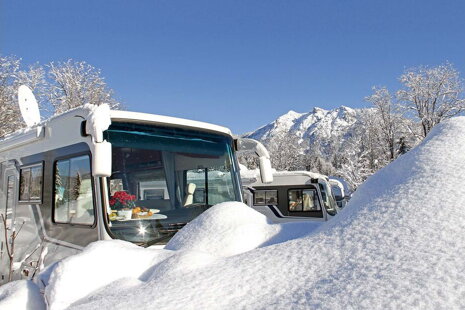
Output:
x=162 y=178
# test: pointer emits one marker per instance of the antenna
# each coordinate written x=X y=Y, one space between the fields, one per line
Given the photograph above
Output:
x=28 y=106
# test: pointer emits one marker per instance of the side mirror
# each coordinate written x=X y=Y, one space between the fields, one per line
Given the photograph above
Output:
x=101 y=159
x=266 y=173
x=246 y=145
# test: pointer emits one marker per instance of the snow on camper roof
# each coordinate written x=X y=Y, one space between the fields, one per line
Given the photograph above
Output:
x=299 y=173
x=29 y=134
x=118 y=115
x=252 y=177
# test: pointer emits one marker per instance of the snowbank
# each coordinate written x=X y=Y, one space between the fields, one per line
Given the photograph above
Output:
x=101 y=263
x=113 y=268
x=20 y=295
x=397 y=244
x=228 y=229
x=233 y=228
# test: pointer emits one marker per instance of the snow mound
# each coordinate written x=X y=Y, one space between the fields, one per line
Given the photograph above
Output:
x=101 y=263
x=229 y=228
x=115 y=267
x=21 y=295
x=397 y=244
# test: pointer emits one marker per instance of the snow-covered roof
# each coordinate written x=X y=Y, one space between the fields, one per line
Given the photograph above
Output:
x=118 y=115
x=310 y=174
x=252 y=177
x=341 y=183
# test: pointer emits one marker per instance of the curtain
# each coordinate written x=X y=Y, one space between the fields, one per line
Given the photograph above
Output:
x=169 y=167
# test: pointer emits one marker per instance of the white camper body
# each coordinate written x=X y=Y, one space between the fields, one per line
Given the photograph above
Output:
x=66 y=182
x=291 y=196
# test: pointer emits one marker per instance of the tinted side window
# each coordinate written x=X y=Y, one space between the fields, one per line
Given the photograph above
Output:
x=24 y=184
x=73 y=195
x=303 y=200
x=36 y=183
x=30 y=188
x=265 y=197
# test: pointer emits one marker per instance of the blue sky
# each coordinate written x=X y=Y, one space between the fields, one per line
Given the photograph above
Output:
x=238 y=63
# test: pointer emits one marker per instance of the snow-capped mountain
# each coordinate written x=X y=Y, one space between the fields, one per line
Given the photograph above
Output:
x=318 y=126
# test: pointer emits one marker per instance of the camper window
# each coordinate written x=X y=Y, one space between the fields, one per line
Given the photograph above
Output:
x=303 y=200
x=73 y=193
x=265 y=197
x=210 y=185
x=30 y=189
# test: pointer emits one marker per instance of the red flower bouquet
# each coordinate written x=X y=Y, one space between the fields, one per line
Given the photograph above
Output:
x=122 y=200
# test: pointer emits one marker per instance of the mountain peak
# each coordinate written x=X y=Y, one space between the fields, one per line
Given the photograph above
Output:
x=317 y=125
x=289 y=116
x=345 y=108
x=292 y=113
x=343 y=111
x=318 y=110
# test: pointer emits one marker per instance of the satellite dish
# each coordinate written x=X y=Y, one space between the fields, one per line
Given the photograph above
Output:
x=28 y=106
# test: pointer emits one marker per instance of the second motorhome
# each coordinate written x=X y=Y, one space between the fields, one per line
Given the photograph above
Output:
x=291 y=196
x=94 y=174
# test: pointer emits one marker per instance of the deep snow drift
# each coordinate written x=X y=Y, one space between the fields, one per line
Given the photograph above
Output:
x=397 y=244
x=227 y=229
x=21 y=295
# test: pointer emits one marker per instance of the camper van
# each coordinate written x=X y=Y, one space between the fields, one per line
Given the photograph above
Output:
x=96 y=174
x=291 y=196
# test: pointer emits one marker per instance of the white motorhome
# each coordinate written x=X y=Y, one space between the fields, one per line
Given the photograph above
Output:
x=291 y=196
x=63 y=181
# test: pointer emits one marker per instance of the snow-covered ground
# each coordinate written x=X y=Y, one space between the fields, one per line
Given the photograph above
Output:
x=21 y=295
x=398 y=244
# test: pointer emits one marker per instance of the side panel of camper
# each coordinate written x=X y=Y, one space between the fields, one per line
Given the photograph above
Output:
x=47 y=194
x=59 y=198
x=49 y=200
